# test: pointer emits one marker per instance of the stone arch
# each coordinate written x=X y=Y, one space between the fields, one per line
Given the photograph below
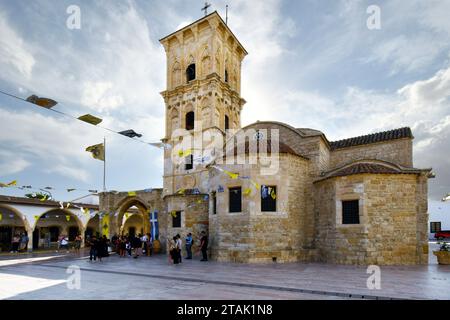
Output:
x=218 y=64
x=206 y=67
x=127 y=203
x=65 y=211
x=176 y=74
x=12 y=225
x=216 y=114
x=226 y=73
x=234 y=76
x=206 y=112
x=174 y=119
x=191 y=69
x=189 y=116
x=96 y=228
x=19 y=214
x=62 y=225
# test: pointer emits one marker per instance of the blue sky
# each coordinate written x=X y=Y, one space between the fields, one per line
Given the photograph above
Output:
x=310 y=64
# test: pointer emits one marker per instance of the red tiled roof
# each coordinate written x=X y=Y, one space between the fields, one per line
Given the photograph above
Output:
x=364 y=168
x=373 y=138
x=373 y=168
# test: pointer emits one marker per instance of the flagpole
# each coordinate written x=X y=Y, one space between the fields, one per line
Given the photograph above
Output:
x=104 y=164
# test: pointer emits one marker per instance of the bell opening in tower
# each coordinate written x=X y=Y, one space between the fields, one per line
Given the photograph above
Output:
x=190 y=72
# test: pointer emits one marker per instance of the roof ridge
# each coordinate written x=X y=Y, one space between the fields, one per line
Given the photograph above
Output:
x=399 y=133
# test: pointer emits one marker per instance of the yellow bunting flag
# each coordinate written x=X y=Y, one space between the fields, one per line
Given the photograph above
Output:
x=42 y=102
x=127 y=215
x=89 y=118
x=185 y=153
x=257 y=186
x=247 y=192
x=97 y=151
x=199 y=201
x=68 y=218
x=173 y=213
x=132 y=193
x=231 y=174
x=43 y=198
x=10 y=184
x=273 y=195
x=181 y=191
x=105 y=224
x=1 y=217
x=36 y=218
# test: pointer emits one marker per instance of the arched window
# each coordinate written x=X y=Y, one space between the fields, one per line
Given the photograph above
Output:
x=190 y=120
x=190 y=72
x=227 y=123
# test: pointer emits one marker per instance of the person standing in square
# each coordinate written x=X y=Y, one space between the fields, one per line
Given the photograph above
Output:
x=204 y=246
x=189 y=246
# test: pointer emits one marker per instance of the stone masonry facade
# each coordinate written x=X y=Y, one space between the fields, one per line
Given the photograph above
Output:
x=319 y=183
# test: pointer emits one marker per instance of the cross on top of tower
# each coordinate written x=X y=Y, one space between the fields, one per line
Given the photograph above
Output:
x=205 y=8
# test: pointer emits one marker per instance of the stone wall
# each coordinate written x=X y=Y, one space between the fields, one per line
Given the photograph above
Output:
x=396 y=151
x=393 y=219
x=115 y=204
x=194 y=217
x=256 y=236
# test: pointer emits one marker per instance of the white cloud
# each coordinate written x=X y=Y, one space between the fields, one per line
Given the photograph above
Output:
x=407 y=54
x=100 y=96
x=11 y=163
x=46 y=142
x=70 y=172
x=14 y=54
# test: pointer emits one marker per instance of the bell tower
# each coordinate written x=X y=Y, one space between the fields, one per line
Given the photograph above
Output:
x=203 y=93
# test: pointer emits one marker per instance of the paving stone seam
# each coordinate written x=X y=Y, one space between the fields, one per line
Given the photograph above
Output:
x=249 y=285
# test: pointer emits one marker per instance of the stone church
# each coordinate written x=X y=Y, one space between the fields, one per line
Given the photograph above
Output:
x=296 y=196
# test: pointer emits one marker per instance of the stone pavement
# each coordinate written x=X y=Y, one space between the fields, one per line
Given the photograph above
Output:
x=155 y=278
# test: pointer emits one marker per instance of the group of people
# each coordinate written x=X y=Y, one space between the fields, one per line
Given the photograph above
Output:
x=63 y=243
x=98 y=247
x=133 y=245
x=19 y=243
x=175 y=245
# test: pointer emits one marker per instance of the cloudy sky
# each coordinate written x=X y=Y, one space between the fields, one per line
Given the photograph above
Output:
x=311 y=64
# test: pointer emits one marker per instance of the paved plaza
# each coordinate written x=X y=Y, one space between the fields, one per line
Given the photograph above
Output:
x=45 y=276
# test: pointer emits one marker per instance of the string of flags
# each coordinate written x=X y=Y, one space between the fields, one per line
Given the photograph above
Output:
x=266 y=191
x=87 y=118
x=9 y=184
x=235 y=176
x=13 y=184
